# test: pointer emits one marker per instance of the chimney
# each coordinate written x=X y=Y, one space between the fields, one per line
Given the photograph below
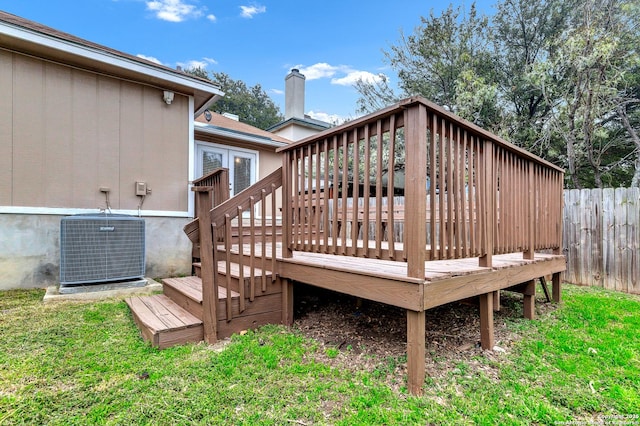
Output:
x=294 y=95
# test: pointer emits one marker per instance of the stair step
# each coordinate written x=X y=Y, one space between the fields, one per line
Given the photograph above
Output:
x=192 y=288
x=164 y=323
x=187 y=293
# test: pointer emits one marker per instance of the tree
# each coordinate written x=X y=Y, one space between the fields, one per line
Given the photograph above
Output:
x=523 y=34
x=441 y=60
x=560 y=78
x=584 y=77
x=252 y=104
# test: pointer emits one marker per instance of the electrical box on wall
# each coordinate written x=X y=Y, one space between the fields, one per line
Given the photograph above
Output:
x=141 y=188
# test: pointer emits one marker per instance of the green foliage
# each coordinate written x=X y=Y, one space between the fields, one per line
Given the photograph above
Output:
x=252 y=104
x=70 y=363
x=560 y=78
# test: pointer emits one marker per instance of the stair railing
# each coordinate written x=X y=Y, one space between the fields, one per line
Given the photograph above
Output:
x=217 y=184
x=254 y=210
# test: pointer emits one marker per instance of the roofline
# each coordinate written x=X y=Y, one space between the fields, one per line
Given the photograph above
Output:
x=138 y=65
x=238 y=135
x=312 y=124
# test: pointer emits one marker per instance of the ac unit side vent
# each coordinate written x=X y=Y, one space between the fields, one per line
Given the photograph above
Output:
x=96 y=248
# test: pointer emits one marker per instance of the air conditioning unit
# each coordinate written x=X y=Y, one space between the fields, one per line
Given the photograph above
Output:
x=99 y=248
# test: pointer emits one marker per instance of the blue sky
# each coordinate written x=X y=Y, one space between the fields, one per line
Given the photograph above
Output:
x=332 y=42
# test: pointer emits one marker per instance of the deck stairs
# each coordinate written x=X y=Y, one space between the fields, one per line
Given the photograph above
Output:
x=175 y=317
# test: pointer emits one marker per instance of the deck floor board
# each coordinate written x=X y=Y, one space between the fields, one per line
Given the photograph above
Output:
x=435 y=270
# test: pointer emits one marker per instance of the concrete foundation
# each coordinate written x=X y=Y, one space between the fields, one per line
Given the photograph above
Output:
x=30 y=249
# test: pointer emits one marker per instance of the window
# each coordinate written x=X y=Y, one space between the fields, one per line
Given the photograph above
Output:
x=241 y=164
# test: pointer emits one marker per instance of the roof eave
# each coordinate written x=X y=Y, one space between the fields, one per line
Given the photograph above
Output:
x=238 y=136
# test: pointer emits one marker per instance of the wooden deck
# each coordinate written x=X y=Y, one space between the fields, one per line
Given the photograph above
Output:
x=386 y=281
x=478 y=212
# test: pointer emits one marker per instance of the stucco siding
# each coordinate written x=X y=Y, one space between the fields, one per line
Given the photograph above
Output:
x=30 y=249
x=65 y=133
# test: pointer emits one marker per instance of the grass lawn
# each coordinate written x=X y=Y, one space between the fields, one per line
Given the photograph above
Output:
x=84 y=363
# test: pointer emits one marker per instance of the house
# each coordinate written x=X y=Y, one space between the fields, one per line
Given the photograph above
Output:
x=81 y=125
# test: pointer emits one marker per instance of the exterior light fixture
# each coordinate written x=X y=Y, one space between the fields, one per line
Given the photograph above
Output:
x=168 y=97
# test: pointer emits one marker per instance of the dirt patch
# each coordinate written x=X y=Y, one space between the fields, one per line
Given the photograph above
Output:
x=371 y=336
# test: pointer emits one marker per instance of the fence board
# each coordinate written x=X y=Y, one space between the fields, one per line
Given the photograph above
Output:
x=601 y=237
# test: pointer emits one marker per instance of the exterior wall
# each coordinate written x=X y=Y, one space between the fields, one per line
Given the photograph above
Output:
x=65 y=133
x=30 y=249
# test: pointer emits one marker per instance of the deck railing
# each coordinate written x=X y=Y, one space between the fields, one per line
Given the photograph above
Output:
x=223 y=241
x=464 y=192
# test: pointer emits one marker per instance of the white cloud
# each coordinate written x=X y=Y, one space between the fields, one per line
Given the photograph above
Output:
x=353 y=76
x=195 y=63
x=277 y=91
x=319 y=70
x=212 y=17
x=149 y=58
x=250 y=11
x=173 y=10
x=327 y=118
x=341 y=75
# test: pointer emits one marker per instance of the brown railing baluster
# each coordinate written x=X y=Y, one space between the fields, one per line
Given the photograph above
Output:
x=240 y=258
x=344 y=192
x=252 y=251
x=433 y=181
x=227 y=246
x=317 y=208
x=263 y=242
x=449 y=207
x=356 y=193
x=380 y=228
x=326 y=191
x=335 y=192
x=391 y=190
x=366 y=185
x=274 y=227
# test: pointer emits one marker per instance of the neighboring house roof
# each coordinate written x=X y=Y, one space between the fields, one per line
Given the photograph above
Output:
x=24 y=36
x=307 y=122
x=219 y=125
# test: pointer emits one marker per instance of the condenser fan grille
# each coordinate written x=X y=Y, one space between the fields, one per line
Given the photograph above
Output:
x=101 y=248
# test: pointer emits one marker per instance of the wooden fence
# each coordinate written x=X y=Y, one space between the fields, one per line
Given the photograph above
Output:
x=601 y=238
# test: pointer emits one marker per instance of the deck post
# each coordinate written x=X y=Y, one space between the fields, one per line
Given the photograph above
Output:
x=487 y=214
x=207 y=270
x=416 y=190
x=287 y=301
x=556 y=290
x=496 y=301
x=529 y=293
x=486 y=321
x=415 y=351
